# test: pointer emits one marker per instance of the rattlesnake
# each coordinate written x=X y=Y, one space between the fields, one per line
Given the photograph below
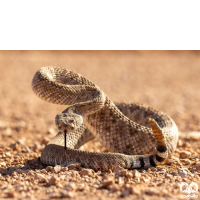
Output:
x=122 y=128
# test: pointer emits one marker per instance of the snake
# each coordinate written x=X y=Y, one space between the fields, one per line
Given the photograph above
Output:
x=134 y=135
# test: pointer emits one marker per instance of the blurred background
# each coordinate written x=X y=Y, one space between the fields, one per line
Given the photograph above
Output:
x=166 y=80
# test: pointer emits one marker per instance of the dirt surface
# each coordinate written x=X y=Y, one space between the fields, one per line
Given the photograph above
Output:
x=166 y=80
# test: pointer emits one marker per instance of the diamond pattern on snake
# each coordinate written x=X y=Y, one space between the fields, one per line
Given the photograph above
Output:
x=135 y=135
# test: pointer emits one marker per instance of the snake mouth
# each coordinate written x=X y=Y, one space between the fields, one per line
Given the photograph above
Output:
x=66 y=125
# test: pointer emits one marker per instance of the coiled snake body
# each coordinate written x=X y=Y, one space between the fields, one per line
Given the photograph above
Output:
x=136 y=135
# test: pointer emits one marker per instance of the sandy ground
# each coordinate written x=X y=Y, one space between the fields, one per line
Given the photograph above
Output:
x=166 y=80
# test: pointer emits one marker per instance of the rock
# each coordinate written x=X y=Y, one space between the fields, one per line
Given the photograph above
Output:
x=108 y=176
x=182 y=172
x=87 y=172
x=123 y=172
x=74 y=166
x=3 y=124
x=162 y=170
x=3 y=155
x=136 y=174
x=31 y=173
x=145 y=179
x=15 y=146
x=71 y=187
x=168 y=176
x=8 y=154
x=53 y=181
x=81 y=186
x=125 y=193
x=184 y=154
x=2 y=164
x=129 y=175
x=67 y=194
x=180 y=143
x=114 y=188
x=197 y=166
x=7 y=132
x=56 y=196
x=41 y=178
x=169 y=161
x=134 y=190
x=153 y=169
x=57 y=168
x=36 y=146
x=174 y=174
x=152 y=191
x=19 y=171
x=51 y=131
x=49 y=168
x=129 y=190
x=107 y=182
x=118 y=170
x=11 y=194
x=44 y=171
x=194 y=135
x=21 y=141
x=64 y=169
x=186 y=162
x=120 y=181
x=75 y=174
x=45 y=140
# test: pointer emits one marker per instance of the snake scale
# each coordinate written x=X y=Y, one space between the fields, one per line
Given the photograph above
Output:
x=136 y=135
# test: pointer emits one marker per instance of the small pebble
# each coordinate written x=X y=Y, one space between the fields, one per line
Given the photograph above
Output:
x=136 y=174
x=168 y=176
x=19 y=171
x=64 y=169
x=2 y=163
x=57 y=168
x=81 y=186
x=129 y=175
x=134 y=191
x=87 y=172
x=152 y=191
x=53 y=181
x=71 y=187
x=186 y=162
x=153 y=169
x=49 y=168
x=107 y=182
x=182 y=172
x=114 y=188
x=197 y=166
x=67 y=194
x=11 y=194
x=184 y=154
x=39 y=176
x=169 y=161
x=15 y=146
x=75 y=166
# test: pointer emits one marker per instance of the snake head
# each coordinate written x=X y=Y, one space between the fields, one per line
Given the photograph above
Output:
x=68 y=122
